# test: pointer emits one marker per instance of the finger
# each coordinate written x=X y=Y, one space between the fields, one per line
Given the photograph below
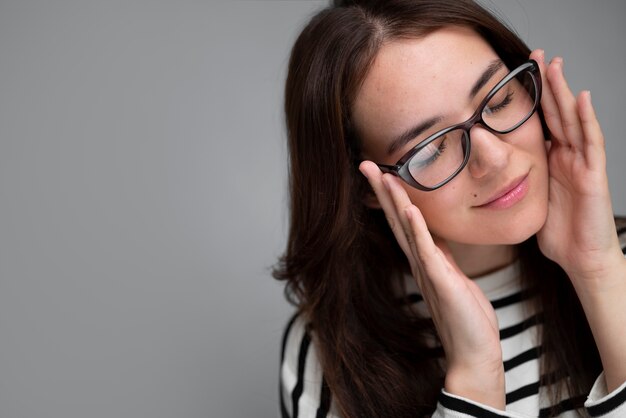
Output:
x=566 y=103
x=439 y=267
x=548 y=145
x=417 y=267
x=414 y=225
x=549 y=106
x=374 y=176
x=401 y=201
x=594 y=138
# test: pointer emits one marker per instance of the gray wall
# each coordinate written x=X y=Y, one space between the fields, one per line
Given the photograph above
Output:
x=142 y=195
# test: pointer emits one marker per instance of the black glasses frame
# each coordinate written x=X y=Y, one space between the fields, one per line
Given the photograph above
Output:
x=401 y=168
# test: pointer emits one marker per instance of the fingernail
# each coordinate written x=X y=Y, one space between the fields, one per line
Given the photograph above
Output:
x=409 y=213
x=542 y=55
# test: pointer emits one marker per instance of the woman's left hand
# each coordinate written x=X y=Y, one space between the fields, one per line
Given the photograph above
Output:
x=579 y=232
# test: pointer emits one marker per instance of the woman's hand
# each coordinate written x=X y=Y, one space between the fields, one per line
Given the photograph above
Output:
x=579 y=233
x=464 y=318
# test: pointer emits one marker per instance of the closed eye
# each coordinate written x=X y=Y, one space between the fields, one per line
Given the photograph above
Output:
x=499 y=106
x=427 y=155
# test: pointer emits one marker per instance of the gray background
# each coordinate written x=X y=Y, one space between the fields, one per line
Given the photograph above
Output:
x=142 y=194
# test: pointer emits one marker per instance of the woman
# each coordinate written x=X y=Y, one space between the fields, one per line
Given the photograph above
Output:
x=452 y=249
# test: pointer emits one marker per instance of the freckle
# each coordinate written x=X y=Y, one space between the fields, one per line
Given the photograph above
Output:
x=475 y=195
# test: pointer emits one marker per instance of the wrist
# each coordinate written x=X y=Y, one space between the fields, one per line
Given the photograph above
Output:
x=608 y=278
x=602 y=299
x=485 y=386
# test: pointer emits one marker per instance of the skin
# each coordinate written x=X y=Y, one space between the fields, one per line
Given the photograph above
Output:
x=410 y=92
x=447 y=238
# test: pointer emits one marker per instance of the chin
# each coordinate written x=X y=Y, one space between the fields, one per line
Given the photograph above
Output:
x=510 y=230
x=520 y=228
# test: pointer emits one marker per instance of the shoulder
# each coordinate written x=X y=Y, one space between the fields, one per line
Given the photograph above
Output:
x=303 y=390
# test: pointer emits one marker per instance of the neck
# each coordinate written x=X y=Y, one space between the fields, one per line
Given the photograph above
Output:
x=478 y=260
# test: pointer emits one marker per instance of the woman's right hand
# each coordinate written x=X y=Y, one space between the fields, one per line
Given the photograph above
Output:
x=465 y=320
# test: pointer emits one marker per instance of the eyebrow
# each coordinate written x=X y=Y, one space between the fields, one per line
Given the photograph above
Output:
x=413 y=132
x=493 y=68
x=410 y=134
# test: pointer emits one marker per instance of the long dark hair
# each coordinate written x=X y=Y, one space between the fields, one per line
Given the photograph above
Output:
x=342 y=264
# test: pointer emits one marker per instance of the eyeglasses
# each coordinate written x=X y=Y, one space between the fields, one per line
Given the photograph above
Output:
x=439 y=158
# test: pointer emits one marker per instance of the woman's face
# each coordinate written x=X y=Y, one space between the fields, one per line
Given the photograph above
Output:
x=416 y=80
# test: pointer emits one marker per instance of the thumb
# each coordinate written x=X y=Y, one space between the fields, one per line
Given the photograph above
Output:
x=445 y=249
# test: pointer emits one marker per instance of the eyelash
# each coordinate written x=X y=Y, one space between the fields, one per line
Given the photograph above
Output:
x=440 y=150
x=504 y=103
x=436 y=155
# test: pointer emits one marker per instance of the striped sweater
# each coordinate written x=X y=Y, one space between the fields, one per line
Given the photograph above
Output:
x=304 y=393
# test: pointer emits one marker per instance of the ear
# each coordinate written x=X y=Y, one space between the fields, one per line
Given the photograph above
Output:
x=371 y=201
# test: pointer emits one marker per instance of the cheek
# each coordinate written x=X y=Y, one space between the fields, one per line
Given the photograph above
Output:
x=441 y=208
x=537 y=153
x=531 y=134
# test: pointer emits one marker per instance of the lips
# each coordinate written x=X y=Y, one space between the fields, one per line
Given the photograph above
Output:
x=509 y=195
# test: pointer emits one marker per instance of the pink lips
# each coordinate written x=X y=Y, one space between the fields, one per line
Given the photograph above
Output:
x=509 y=196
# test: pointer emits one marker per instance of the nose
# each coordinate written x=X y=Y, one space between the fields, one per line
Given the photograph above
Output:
x=489 y=152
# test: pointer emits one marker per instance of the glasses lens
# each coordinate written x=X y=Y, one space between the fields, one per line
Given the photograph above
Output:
x=438 y=160
x=512 y=104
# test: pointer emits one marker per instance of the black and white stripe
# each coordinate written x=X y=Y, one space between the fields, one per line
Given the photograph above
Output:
x=303 y=390
x=283 y=406
x=303 y=385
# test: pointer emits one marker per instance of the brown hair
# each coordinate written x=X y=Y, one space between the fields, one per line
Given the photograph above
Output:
x=342 y=264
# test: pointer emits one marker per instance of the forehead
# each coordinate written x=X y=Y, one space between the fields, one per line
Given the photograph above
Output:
x=415 y=79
